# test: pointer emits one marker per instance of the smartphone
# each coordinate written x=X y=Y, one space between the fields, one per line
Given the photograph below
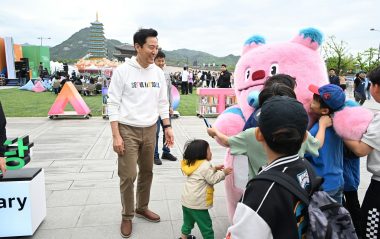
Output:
x=207 y=123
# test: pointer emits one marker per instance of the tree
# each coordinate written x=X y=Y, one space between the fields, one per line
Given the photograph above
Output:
x=335 y=53
x=368 y=59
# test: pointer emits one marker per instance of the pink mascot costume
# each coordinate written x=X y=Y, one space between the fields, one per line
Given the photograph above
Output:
x=298 y=58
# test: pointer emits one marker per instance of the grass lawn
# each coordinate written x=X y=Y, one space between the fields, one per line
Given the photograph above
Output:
x=19 y=103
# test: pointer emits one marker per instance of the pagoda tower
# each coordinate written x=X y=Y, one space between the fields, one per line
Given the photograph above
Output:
x=97 y=47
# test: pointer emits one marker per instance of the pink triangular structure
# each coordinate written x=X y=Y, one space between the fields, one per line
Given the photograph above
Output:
x=38 y=87
x=69 y=94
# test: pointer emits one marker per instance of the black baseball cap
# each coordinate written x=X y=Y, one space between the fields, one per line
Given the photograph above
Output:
x=282 y=112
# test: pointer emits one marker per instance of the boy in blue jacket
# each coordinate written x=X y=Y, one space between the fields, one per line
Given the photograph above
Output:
x=329 y=164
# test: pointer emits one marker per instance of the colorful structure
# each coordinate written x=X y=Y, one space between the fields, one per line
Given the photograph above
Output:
x=3 y=62
x=97 y=66
x=176 y=98
x=38 y=87
x=28 y=86
x=69 y=94
x=37 y=54
x=96 y=41
x=220 y=94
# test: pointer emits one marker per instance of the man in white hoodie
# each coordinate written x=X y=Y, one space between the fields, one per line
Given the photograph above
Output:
x=137 y=97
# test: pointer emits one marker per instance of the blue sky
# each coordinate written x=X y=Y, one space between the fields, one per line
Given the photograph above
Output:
x=217 y=27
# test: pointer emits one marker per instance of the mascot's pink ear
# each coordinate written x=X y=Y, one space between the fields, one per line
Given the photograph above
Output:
x=309 y=37
x=253 y=42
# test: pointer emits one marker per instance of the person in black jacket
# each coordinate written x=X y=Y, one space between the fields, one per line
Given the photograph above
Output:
x=267 y=209
x=333 y=78
x=224 y=80
x=3 y=137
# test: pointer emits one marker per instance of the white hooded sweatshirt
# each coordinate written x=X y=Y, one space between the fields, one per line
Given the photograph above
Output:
x=137 y=95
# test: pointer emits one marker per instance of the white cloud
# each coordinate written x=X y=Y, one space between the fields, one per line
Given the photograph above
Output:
x=216 y=27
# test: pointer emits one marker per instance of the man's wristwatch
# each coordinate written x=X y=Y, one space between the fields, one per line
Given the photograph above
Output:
x=166 y=126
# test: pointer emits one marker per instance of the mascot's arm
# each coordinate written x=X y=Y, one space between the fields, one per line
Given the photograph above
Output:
x=352 y=122
x=358 y=147
x=230 y=122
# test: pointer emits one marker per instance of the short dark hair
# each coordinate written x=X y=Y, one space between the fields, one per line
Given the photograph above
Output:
x=332 y=69
x=273 y=90
x=160 y=54
x=195 y=149
x=142 y=34
x=224 y=65
x=281 y=78
x=322 y=103
x=374 y=76
x=185 y=68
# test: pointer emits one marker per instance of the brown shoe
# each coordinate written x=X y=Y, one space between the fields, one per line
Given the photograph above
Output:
x=126 y=228
x=148 y=215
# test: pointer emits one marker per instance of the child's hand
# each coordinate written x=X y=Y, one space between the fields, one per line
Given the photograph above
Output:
x=227 y=171
x=211 y=132
x=325 y=121
x=219 y=167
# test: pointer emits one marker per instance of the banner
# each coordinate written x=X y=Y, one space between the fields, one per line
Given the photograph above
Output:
x=10 y=58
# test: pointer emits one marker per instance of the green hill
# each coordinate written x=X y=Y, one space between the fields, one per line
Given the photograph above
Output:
x=182 y=57
x=76 y=47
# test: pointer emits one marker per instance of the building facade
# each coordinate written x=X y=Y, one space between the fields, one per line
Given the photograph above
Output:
x=97 y=47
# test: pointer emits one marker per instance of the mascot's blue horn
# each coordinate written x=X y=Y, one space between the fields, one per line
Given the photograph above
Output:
x=314 y=34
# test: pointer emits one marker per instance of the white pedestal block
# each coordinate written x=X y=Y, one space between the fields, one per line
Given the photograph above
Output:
x=22 y=201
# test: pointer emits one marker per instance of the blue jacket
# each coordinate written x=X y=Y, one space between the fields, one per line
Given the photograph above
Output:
x=351 y=170
x=329 y=163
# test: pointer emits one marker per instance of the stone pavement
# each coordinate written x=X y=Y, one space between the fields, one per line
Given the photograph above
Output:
x=82 y=183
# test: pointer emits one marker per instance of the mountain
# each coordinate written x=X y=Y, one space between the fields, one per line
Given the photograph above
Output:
x=76 y=47
x=182 y=57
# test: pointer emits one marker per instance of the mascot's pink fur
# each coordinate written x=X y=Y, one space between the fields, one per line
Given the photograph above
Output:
x=299 y=58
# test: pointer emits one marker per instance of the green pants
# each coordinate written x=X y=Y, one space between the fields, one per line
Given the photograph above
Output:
x=201 y=217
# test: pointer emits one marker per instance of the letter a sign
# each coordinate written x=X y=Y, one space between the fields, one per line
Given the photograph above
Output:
x=69 y=94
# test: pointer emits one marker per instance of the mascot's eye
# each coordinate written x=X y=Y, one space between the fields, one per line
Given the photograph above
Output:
x=247 y=74
x=274 y=69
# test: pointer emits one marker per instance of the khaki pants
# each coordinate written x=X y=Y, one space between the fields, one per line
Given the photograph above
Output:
x=139 y=143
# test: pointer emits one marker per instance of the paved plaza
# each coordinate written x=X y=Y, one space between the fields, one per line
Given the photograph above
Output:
x=82 y=190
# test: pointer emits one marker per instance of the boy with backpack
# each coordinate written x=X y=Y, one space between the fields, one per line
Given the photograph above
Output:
x=267 y=209
x=276 y=203
x=370 y=145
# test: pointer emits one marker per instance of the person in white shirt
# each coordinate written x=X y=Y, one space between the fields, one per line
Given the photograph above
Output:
x=185 y=81
x=137 y=97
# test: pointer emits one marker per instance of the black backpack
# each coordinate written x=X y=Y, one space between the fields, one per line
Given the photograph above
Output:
x=327 y=218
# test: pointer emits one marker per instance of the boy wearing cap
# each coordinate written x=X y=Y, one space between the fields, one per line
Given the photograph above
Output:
x=370 y=145
x=267 y=209
x=328 y=99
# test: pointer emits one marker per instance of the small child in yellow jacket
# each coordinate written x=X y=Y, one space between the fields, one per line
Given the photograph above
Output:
x=198 y=192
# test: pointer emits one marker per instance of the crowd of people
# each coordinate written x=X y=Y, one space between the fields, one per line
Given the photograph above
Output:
x=140 y=103
x=191 y=78
x=361 y=84
x=86 y=85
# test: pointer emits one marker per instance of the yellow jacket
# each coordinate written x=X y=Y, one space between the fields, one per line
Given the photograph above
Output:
x=198 y=192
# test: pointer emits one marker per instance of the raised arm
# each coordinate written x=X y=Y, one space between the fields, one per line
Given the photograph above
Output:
x=220 y=137
x=358 y=147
